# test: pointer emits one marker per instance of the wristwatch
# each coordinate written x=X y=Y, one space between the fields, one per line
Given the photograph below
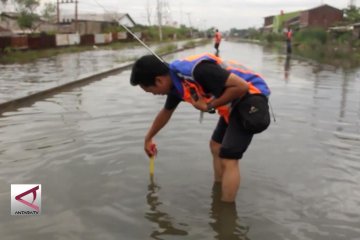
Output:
x=210 y=108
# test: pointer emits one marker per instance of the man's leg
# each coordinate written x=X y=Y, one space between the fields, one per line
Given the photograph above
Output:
x=227 y=144
x=215 y=150
x=230 y=179
x=235 y=142
x=227 y=172
x=215 y=145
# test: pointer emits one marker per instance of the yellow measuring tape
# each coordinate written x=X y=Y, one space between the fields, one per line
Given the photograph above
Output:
x=151 y=166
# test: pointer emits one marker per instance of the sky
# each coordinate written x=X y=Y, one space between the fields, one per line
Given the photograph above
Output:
x=202 y=14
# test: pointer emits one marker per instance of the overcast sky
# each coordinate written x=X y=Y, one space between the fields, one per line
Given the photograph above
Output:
x=222 y=14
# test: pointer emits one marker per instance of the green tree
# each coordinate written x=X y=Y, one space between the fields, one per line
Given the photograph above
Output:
x=49 y=11
x=27 y=17
x=352 y=14
x=27 y=20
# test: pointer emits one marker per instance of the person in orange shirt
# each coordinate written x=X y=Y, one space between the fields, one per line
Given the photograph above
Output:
x=217 y=39
x=288 y=36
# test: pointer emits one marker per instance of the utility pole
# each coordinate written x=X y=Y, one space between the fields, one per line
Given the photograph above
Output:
x=159 y=14
x=167 y=13
x=76 y=15
x=181 y=13
x=190 y=25
x=58 y=11
x=68 y=2
x=148 y=12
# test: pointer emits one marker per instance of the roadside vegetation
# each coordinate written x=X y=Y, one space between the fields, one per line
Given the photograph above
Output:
x=10 y=56
x=192 y=44
x=150 y=37
x=340 y=49
x=336 y=47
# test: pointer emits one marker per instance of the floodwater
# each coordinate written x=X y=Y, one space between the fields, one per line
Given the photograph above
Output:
x=20 y=80
x=300 y=178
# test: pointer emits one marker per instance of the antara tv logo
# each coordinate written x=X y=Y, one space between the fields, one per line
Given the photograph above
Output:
x=25 y=199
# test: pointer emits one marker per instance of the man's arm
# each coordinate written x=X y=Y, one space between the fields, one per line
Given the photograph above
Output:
x=235 y=87
x=159 y=122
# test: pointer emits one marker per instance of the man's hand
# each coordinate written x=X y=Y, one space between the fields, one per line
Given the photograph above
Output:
x=150 y=148
x=200 y=104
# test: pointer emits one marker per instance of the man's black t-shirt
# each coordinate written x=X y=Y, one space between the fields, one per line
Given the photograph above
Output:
x=210 y=76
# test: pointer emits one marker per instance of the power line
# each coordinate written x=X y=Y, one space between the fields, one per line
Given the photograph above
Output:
x=101 y=6
x=76 y=2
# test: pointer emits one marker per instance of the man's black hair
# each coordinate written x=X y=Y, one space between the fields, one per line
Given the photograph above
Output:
x=146 y=69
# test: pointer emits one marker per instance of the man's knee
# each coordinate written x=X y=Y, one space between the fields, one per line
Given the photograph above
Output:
x=229 y=163
x=214 y=147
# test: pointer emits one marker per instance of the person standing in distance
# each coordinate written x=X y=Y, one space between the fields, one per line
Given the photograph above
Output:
x=217 y=40
x=288 y=37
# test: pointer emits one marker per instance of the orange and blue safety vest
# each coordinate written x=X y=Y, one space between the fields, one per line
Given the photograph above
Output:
x=181 y=72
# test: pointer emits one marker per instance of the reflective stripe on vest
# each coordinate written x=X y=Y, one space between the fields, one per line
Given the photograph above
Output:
x=223 y=111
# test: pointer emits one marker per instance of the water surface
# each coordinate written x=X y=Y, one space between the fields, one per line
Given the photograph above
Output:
x=300 y=178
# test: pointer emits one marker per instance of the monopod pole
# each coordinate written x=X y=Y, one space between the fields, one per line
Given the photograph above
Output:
x=142 y=43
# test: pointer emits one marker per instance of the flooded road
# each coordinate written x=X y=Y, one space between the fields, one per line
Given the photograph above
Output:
x=300 y=178
x=20 y=80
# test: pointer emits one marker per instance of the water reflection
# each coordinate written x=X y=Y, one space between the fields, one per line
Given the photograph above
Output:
x=343 y=99
x=161 y=218
x=313 y=195
x=226 y=222
x=287 y=67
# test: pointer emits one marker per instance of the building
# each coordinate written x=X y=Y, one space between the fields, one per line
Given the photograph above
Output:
x=94 y=23
x=279 y=22
x=356 y=31
x=284 y=20
x=268 y=20
x=323 y=16
x=352 y=28
x=268 y=24
x=5 y=32
x=8 y=21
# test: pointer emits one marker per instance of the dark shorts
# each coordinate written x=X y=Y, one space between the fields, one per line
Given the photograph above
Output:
x=234 y=139
x=216 y=45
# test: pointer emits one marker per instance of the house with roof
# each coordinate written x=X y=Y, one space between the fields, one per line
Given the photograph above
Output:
x=322 y=16
x=8 y=21
x=5 y=32
x=278 y=22
x=94 y=23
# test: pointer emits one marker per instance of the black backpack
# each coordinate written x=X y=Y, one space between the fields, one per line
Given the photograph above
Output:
x=254 y=113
